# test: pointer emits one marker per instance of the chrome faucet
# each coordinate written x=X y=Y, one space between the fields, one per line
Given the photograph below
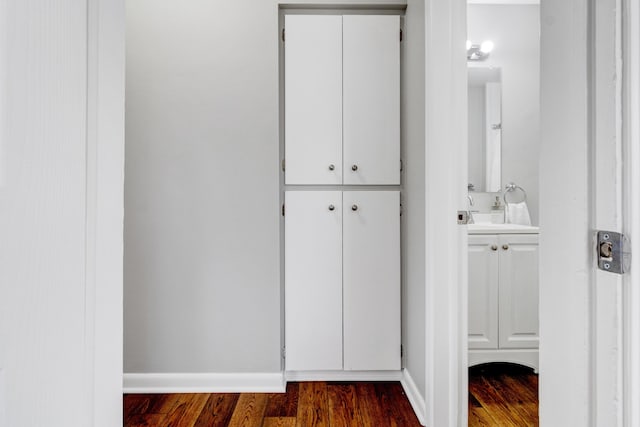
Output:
x=470 y=199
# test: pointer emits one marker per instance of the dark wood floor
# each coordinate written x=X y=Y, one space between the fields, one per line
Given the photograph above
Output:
x=502 y=395
x=305 y=404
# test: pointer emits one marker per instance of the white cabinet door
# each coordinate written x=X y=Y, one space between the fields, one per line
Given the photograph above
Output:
x=313 y=99
x=371 y=280
x=483 y=292
x=371 y=79
x=518 y=291
x=313 y=280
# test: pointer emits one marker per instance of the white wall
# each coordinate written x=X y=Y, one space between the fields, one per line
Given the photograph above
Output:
x=413 y=194
x=202 y=187
x=515 y=30
x=53 y=222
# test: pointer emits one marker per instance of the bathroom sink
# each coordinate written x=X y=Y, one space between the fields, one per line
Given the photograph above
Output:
x=488 y=217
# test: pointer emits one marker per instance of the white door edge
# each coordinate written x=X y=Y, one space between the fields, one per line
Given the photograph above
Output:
x=105 y=212
x=631 y=194
x=606 y=193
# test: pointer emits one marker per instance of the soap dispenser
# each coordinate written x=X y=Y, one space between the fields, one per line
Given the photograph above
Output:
x=497 y=205
x=497 y=211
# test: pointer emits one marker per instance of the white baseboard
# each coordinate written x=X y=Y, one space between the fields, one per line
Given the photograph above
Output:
x=3 y=399
x=205 y=383
x=343 y=375
x=416 y=399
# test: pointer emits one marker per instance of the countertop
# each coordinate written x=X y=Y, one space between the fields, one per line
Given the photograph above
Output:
x=488 y=228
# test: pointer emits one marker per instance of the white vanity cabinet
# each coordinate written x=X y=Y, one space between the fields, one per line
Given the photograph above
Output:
x=342 y=280
x=503 y=297
x=342 y=99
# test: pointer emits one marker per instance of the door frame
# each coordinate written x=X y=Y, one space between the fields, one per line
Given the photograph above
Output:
x=445 y=193
x=568 y=377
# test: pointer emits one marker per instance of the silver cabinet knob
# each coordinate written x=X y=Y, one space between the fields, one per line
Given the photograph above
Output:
x=331 y=207
x=331 y=167
x=505 y=247
x=354 y=208
x=354 y=168
x=494 y=247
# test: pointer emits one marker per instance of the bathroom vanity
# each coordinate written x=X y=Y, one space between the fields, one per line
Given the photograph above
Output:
x=503 y=294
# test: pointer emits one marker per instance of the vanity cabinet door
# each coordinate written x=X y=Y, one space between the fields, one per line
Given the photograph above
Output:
x=371 y=280
x=371 y=79
x=483 y=292
x=518 y=291
x=313 y=99
x=313 y=280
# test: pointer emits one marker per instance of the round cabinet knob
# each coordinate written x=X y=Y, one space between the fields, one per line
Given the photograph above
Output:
x=494 y=247
x=505 y=247
x=354 y=168
x=331 y=167
x=354 y=208
x=331 y=207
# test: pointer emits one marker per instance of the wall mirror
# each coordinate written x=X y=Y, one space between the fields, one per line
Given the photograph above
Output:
x=485 y=128
x=503 y=51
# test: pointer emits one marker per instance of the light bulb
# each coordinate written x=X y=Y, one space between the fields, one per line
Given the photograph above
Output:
x=486 y=46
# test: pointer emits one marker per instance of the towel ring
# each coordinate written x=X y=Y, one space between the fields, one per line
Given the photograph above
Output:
x=510 y=188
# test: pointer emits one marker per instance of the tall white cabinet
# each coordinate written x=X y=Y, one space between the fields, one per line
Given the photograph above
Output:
x=342 y=243
x=503 y=298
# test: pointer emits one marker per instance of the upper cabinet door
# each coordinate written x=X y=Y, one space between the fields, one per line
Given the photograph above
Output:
x=371 y=96
x=313 y=99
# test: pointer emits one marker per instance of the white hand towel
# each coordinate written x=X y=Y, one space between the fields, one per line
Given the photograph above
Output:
x=517 y=213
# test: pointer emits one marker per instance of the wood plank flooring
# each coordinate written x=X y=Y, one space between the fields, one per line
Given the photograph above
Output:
x=305 y=404
x=501 y=394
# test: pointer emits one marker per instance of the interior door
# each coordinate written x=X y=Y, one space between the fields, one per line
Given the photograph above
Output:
x=371 y=78
x=313 y=280
x=313 y=99
x=371 y=280
x=483 y=292
x=581 y=352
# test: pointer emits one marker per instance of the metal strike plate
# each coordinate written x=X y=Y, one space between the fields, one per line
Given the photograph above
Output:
x=463 y=217
x=613 y=252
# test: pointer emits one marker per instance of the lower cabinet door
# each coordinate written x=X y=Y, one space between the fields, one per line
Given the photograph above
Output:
x=518 y=291
x=483 y=292
x=313 y=280
x=371 y=280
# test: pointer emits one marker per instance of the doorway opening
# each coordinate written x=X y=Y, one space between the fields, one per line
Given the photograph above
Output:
x=503 y=93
